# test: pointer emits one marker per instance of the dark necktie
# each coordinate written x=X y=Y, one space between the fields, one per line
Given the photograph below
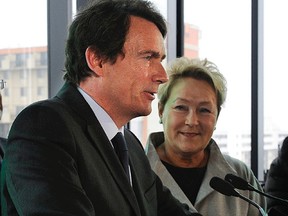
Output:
x=121 y=150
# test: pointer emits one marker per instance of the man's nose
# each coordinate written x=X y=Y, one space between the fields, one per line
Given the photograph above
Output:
x=161 y=75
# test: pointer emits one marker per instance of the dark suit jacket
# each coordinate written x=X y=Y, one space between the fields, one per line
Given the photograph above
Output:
x=58 y=161
x=3 y=142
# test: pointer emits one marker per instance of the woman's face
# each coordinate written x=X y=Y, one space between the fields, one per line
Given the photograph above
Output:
x=189 y=117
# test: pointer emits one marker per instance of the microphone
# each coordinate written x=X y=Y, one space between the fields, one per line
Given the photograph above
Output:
x=228 y=189
x=242 y=184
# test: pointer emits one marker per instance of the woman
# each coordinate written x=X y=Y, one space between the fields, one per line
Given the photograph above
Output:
x=184 y=155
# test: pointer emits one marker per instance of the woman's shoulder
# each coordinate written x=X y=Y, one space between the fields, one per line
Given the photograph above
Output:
x=240 y=167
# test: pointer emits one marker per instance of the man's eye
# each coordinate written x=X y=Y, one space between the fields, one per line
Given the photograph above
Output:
x=148 y=57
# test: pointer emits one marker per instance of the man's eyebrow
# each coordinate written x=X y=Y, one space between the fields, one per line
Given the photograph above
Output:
x=153 y=53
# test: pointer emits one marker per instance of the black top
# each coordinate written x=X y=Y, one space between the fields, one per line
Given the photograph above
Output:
x=276 y=183
x=188 y=179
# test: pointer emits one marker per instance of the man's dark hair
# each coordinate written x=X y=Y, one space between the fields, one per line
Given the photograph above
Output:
x=103 y=26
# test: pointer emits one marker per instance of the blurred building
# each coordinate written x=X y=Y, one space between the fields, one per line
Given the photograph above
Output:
x=25 y=73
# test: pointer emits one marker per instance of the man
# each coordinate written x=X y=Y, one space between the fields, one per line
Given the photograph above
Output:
x=60 y=158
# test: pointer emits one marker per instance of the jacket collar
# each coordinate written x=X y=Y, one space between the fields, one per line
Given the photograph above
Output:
x=217 y=166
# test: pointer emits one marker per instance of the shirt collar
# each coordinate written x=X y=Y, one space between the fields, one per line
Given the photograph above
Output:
x=104 y=119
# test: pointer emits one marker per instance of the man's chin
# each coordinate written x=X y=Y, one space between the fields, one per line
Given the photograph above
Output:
x=144 y=112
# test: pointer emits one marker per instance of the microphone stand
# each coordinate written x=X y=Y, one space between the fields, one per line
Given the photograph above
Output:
x=242 y=184
x=261 y=210
x=250 y=187
x=228 y=189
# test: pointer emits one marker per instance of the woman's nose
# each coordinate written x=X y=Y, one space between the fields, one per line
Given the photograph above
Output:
x=191 y=119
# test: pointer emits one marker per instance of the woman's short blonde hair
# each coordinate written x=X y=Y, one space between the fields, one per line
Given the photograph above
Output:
x=184 y=67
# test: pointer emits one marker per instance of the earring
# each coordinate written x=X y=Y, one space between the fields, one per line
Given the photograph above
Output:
x=160 y=121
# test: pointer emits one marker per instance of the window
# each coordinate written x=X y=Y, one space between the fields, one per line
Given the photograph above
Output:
x=227 y=44
x=41 y=73
x=43 y=58
x=275 y=78
x=2 y=58
x=143 y=126
x=207 y=34
x=26 y=35
x=23 y=91
x=40 y=91
x=5 y=74
x=23 y=74
x=20 y=60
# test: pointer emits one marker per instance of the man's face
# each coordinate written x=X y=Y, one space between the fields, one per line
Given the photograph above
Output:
x=133 y=80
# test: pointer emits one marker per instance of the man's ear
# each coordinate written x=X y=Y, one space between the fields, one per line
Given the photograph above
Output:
x=94 y=61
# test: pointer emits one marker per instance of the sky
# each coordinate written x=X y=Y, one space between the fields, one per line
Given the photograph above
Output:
x=23 y=23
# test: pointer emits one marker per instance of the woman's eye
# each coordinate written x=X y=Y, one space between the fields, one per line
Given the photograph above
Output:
x=181 y=108
x=205 y=110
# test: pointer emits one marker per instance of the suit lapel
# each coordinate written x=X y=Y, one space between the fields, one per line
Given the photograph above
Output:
x=72 y=97
x=109 y=156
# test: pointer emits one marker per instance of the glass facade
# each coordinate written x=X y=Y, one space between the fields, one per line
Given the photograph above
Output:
x=31 y=60
x=275 y=78
x=23 y=54
x=228 y=45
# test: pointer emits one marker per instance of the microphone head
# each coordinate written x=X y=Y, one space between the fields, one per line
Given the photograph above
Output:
x=237 y=182
x=228 y=189
x=223 y=187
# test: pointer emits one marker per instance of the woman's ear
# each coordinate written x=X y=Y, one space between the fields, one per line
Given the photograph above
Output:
x=93 y=60
x=218 y=113
x=160 y=111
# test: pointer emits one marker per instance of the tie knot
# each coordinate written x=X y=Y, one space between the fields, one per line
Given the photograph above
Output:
x=119 y=142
